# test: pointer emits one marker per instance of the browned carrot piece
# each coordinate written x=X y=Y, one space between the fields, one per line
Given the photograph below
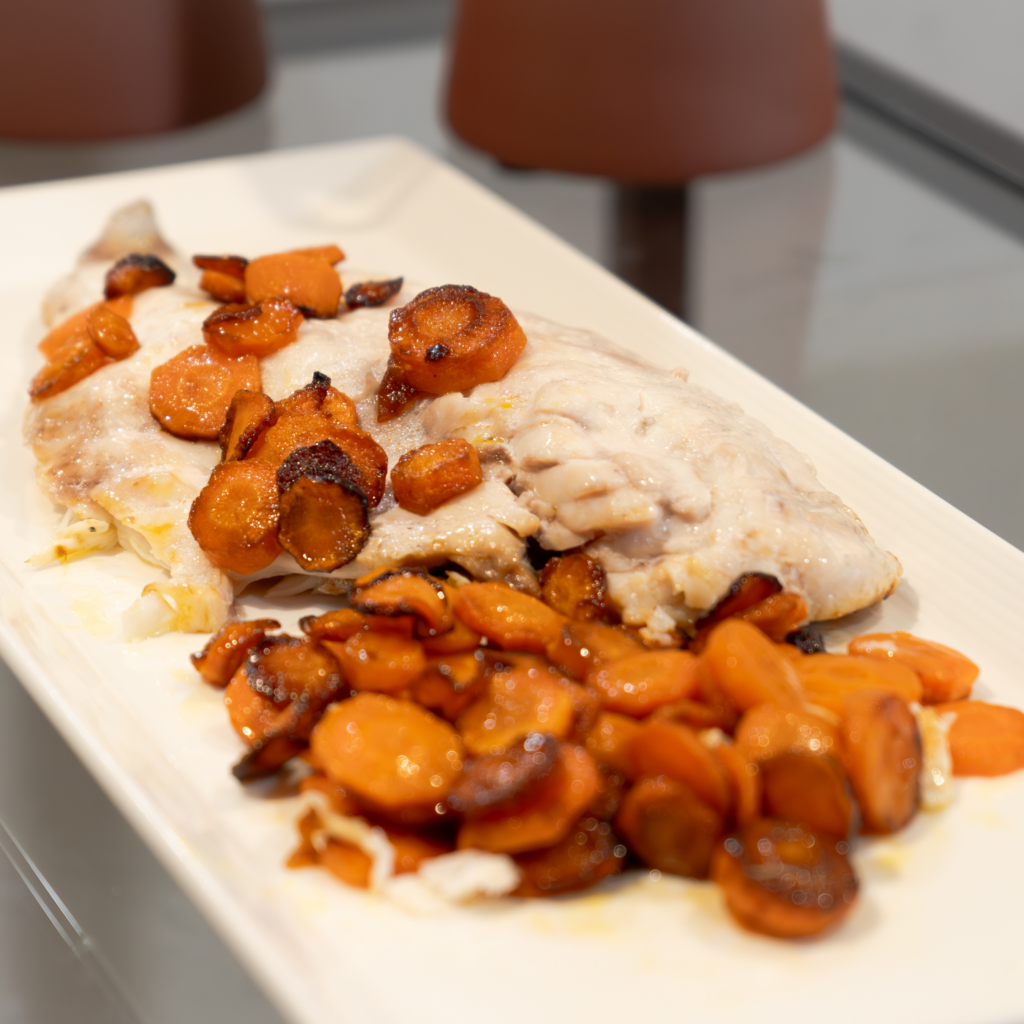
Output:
x=77 y=324
x=380 y=662
x=697 y=715
x=782 y=879
x=137 y=273
x=451 y=683
x=459 y=638
x=79 y=358
x=341 y=801
x=744 y=666
x=111 y=332
x=546 y=819
x=266 y=758
x=392 y=754
x=985 y=739
x=589 y=853
x=777 y=616
x=744 y=780
x=507 y=617
x=826 y=677
x=319 y=396
x=234 y=519
x=248 y=415
x=575 y=586
x=669 y=827
x=336 y=625
x=258 y=329
x=372 y=293
x=770 y=730
x=675 y=751
x=233 y=265
x=427 y=477
x=323 y=511
x=882 y=756
x=407 y=592
x=310 y=282
x=347 y=863
x=329 y=253
x=218 y=661
x=223 y=276
x=502 y=783
x=394 y=395
x=520 y=700
x=190 y=394
x=609 y=740
x=638 y=683
x=582 y=646
x=746 y=592
x=945 y=674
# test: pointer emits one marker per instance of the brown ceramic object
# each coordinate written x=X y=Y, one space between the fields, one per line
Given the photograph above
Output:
x=650 y=91
x=96 y=69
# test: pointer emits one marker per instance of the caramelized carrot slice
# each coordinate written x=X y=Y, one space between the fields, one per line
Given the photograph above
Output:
x=427 y=477
x=248 y=415
x=372 y=293
x=521 y=699
x=218 y=661
x=675 y=751
x=451 y=683
x=945 y=674
x=669 y=827
x=697 y=715
x=111 y=332
x=507 y=617
x=380 y=662
x=457 y=639
x=223 y=276
x=234 y=519
x=232 y=265
x=407 y=592
x=777 y=616
x=582 y=646
x=575 y=586
x=783 y=879
x=328 y=253
x=773 y=729
x=882 y=756
x=985 y=739
x=79 y=358
x=392 y=754
x=137 y=273
x=745 y=592
x=826 y=677
x=336 y=625
x=341 y=801
x=308 y=281
x=638 y=683
x=609 y=739
x=190 y=394
x=319 y=396
x=588 y=854
x=78 y=323
x=503 y=783
x=557 y=804
x=258 y=329
x=743 y=665
x=744 y=781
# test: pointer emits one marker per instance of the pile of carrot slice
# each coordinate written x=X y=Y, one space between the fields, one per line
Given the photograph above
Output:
x=469 y=715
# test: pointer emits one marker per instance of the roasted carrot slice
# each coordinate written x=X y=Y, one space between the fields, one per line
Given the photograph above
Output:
x=773 y=729
x=505 y=782
x=308 y=281
x=638 y=683
x=669 y=827
x=232 y=265
x=336 y=625
x=776 y=616
x=319 y=396
x=137 y=273
x=745 y=667
x=520 y=700
x=234 y=519
x=218 y=661
x=985 y=739
x=675 y=751
x=395 y=394
x=380 y=662
x=328 y=253
x=77 y=359
x=588 y=854
x=507 y=617
x=575 y=586
x=580 y=647
x=406 y=592
x=427 y=477
x=609 y=739
x=745 y=592
x=826 y=677
x=945 y=674
x=266 y=758
x=451 y=683
x=190 y=394
x=459 y=638
x=223 y=277
x=781 y=878
x=323 y=510
x=882 y=756
x=556 y=805
x=77 y=323
x=248 y=415
x=392 y=754
x=341 y=801
x=744 y=780
x=697 y=715
x=258 y=329
x=111 y=332
x=372 y=293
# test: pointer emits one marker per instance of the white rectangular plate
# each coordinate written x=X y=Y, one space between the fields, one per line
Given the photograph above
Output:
x=936 y=936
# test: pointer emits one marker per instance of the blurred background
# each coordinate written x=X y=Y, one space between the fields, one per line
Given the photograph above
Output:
x=875 y=271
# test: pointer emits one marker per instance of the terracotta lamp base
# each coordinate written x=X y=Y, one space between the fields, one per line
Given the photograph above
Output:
x=102 y=69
